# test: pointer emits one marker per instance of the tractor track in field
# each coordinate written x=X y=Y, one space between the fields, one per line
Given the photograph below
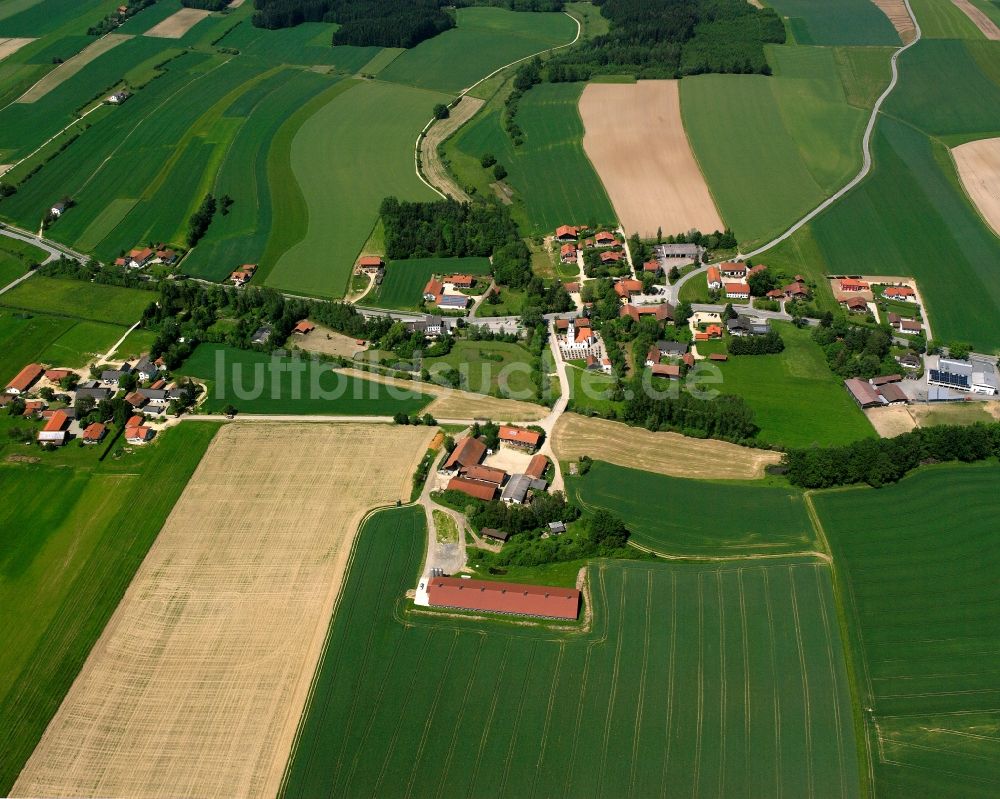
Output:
x=866 y=150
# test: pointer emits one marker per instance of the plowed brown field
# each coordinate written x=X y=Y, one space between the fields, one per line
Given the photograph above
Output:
x=635 y=138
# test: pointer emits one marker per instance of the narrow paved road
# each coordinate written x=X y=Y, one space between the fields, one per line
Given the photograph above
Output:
x=432 y=120
x=54 y=249
x=866 y=152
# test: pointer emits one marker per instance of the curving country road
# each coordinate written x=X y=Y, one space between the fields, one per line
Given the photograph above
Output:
x=866 y=165
x=420 y=137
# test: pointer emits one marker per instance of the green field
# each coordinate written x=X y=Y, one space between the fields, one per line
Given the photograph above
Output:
x=786 y=390
x=918 y=222
x=346 y=158
x=200 y=120
x=855 y=22
x=484 y=40
x=70 y=541
x=917 y=567
x=246 y=173
x=711 y=680
x=491 y=367
x=694 y=518
x=793 y=137
x=403 y=285
x=53 y=340
x=15 y=258
x=554 y=182
x=940 y=20
x=95 y=302
x=248 y=382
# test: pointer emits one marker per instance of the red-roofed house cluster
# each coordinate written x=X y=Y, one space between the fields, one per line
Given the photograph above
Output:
x=147 y=256
x=446 y=292
x=468 y=474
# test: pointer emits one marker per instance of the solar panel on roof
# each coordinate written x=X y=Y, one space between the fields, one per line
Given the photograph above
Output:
x=959 y=381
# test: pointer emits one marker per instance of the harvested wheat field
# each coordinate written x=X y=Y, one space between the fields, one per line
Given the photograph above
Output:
x=197 y=684
x=986 y=25
x=978 y=165
x=452 y=403
x=663 y=453
x=891 y=421
x=71 y=66
x=900 y=18
x=635 y=138
x=11 y=46
x=177 y=24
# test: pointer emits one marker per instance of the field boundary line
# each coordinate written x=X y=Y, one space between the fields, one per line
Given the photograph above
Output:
x=699 y=724
x=619 y=636
x=775 y=693
x=803 y=669
x=512 y=745
x=726 y=558
x=642 y=684
x=670 y=681
x=841 y=598
x=432 y=120
x=722 y=681
x=583 y=691
x=487 y=724
x=747 y=693
x=866 y=153
x=833 y=679
x=458 y=724
x=553 y=688
x=430 y=713
x=365 y=657
x=416 y=664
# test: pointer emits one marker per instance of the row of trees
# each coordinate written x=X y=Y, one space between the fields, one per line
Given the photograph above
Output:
x=365 y=23
x=206 y=5
x=727 y=417
x=768 y=344
x=878 y=461
x=670 y=38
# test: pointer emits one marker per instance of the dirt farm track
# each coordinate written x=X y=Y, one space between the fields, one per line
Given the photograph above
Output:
x=197 y=684
x=635 y=138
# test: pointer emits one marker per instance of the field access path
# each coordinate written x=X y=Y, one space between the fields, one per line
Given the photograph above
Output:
x=437 y=168
x=866 y=150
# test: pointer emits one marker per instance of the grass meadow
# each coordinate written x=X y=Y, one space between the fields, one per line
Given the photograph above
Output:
x=95 y=302
x=249 y=374
x=485 y=363
x=917 y=565
x=694 y=679
x=367 y=130
x=786 y=390
x=554 y=182
x=695 y=518
x=794 y=137
x=16 y=257
x=53 y=340
x=484 y=39
x=403 y=285
x=71 y=541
